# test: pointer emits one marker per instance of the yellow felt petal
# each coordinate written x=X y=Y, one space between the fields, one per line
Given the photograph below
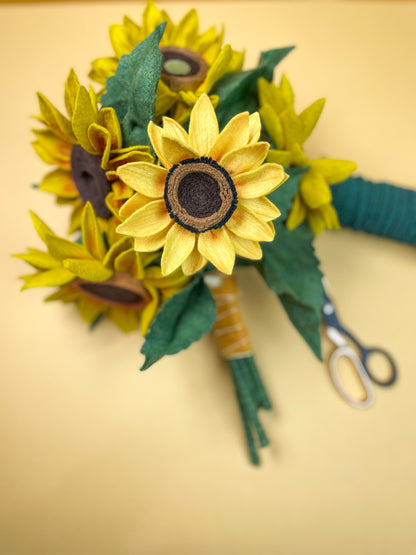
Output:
x=60 y=183
x=100 y=140
x=107 y=118
x=297 y=213
x=203 y=126
x=149 y=311
x=315 y=221
x=152 y=17
x=254 y=128
x=273 y=126
x=333 y=171
x=245 y=247
x=84 y=115
x=119 y=40
x=245 y=224
x=152 y=242
x=41 y=228
x=286 y=90
x=259 y=182
x=173 y=130
x=71 y=88
x=234 y=135
x=261 y=207
x=292 y=127
x=314 y=189
x=92 y=237
x=91 y=270
x=116 y=249
x=178 y=246
x=186 y=31
x=129 y=262
x=133 y=204
x=215 y=245
x=61 y=248
x=282 y=157
x=38 y=259
x=147 y=179
x=154 y=277
x=102 y=68
x=245 y=159
x=65 y=293
x=309 y=117
x=155 y=136
x=89 y=308
x=175 y=151
x=126 y=320
x=324 y=217
x=146 y=221
x=59 y=124
x=50 y=278
x=194 y=262
x=270 y=94
x=55 y=148
x=219 y=68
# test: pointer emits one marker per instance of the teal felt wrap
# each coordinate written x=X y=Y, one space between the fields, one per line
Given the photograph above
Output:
x=378 y=208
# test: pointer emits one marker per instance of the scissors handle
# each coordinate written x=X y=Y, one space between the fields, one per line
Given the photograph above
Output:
x=391 y=378
x=348 y=353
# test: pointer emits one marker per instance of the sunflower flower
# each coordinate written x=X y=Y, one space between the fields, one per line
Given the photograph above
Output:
x=206 y=201
x=289 y=131
x=113 y=280
x=86 y=149
x=191 y=61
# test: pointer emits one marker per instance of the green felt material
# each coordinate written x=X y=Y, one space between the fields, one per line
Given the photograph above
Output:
x=282 y=197
x=251 y=396
x=183 y=319
x=132 y=90
x=238 y=91
x=291 y=269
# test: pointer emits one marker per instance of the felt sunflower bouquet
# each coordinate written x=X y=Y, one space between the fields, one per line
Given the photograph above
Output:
x=180 y=167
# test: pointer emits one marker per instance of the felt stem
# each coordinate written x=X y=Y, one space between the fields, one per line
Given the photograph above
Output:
x=231 y=337
x=378 y=208
x=251 y=396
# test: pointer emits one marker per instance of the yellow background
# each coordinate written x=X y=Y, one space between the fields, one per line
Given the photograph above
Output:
x=98 y=458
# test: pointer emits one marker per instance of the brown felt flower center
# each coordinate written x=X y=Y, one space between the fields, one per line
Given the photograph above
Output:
x=182 y=68
x=90 y=180
x=200 y=194
x=121 y=290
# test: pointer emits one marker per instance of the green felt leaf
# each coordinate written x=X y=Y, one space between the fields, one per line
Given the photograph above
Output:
x=132 y=90
x=270 y=59
x=238 y=91
x=283 y=195
x=291 y=269
x=183 y=319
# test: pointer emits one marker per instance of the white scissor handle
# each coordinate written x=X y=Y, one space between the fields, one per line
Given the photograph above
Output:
x=347 y=352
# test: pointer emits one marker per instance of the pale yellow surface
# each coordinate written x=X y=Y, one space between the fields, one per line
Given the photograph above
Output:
x=99 y=459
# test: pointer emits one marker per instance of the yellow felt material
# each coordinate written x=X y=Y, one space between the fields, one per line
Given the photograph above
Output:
x=146 y=217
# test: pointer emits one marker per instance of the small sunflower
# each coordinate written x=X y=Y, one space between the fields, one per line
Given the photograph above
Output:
x=289 y=131
x=87 y=149
x=207 y=201
x=113 y=280
x=191 y=61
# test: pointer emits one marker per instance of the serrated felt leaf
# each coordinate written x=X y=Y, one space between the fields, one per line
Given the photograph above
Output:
x=238 y=91
x=282 y=197
x=132 y=90
x=182 y=320
x=291 y=269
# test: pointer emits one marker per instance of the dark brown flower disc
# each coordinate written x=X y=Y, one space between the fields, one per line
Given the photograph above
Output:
x=182 y=68
x=121 y=290
x=90 y=180
x=200 y=194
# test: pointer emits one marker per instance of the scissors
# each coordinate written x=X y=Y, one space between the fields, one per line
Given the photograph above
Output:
x=337 y=334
